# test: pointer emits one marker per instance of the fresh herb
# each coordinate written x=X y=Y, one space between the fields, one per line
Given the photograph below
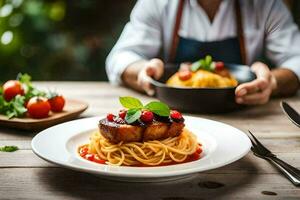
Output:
x=206 y=64
x=13 y=108
x=51 y=95
x=9 y=148
x=30 y=90
x=158 y=108
x=132 y=115
x=135 y=107
x=130 y=102
x=16 y=106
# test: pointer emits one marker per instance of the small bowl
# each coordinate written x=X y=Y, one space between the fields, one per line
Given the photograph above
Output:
x=202 y=100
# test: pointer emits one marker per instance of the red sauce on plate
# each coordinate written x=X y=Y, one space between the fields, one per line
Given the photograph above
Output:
x=83 y=152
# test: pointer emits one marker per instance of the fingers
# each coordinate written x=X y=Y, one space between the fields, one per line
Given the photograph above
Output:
x=144 y=83
x=261 y=70
x=252 y=87
x=257 y=91
x=154 y=68
x=256 y=98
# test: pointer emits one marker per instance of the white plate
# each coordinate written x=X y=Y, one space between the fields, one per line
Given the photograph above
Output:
x=222 y=144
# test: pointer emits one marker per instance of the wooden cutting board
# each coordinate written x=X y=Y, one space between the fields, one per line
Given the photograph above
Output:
x=72 y=109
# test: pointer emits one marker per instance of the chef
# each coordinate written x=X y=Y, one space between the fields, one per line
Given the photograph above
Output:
x=232 y=31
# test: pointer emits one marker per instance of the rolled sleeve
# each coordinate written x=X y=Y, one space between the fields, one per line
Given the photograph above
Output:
x=292 y=64
x=117 y=63
x=283 y=38
x=140 y=39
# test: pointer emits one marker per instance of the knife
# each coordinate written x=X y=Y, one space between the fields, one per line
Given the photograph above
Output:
x=292 y=114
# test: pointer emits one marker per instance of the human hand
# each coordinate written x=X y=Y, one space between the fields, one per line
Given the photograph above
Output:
x=259 y=90
x=152 y=69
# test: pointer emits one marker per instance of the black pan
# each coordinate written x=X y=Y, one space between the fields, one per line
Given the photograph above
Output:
x=202 y=100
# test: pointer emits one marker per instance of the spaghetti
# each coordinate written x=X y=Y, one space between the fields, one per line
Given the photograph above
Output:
x=151 y=153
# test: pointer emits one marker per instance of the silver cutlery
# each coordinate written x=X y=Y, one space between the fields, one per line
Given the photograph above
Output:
x=292 y=173
x=292 y=114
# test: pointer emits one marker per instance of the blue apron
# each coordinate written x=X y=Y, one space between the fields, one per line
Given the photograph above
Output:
x=190 y=50
x=229 y=50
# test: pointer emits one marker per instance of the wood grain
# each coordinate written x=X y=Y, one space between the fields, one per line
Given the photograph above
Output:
x=56 y=183
x=72 y=109
x=25 y=176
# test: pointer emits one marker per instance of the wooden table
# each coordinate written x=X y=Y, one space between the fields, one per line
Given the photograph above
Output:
x=25 y=176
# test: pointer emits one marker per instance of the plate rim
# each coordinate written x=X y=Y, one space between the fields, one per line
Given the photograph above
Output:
x=125 y=174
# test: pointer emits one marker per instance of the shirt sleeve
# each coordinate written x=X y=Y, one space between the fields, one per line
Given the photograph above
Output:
x=140 y=39
x=282 y=38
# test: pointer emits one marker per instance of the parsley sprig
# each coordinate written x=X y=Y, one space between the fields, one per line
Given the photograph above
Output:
x=9 y=148
x=135 y=107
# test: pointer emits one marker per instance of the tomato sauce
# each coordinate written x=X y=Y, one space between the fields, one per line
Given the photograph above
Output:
x=83 y=152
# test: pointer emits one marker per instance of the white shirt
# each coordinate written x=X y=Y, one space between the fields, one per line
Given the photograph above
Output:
x=268 y=27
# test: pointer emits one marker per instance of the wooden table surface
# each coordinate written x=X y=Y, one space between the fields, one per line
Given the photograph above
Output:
x=25 y=176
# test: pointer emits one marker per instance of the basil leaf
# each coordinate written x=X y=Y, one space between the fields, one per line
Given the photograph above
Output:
x=132 y=115
x=130 y=102
x=9 y=148
x=158 y=108
x=24 y=78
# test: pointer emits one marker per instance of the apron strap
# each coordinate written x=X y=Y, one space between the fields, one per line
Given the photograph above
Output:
x=239 y=24
x=175 y=37
x=240 y=31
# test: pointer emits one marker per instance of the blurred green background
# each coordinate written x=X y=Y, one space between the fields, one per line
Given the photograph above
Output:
x=64 y=39
x=59 y=40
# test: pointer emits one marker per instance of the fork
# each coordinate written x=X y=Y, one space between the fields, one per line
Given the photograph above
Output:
x=292 y=173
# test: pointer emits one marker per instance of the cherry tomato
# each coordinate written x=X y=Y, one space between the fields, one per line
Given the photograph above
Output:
x=38 y=107
x=175 y=115
x=184 y=75
x=110 y=117
x=219 y=65
x=11 y=89
x=57 y=103
x=122 y=113
x=147 y=116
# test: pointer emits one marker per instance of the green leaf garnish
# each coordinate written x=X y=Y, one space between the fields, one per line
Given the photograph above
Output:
x=158 y=108
x=195 y=66
x=135 y=107
x=24 y=78
x=130 y=102
x=206 y=64
x=208 y=60
x=13 y=108
x=9 y=148
x=132 y=115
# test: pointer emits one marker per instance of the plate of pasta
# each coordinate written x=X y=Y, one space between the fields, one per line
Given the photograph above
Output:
x=142 y=143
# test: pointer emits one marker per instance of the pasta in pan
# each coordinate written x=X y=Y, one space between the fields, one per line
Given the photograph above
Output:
x=204 y=73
